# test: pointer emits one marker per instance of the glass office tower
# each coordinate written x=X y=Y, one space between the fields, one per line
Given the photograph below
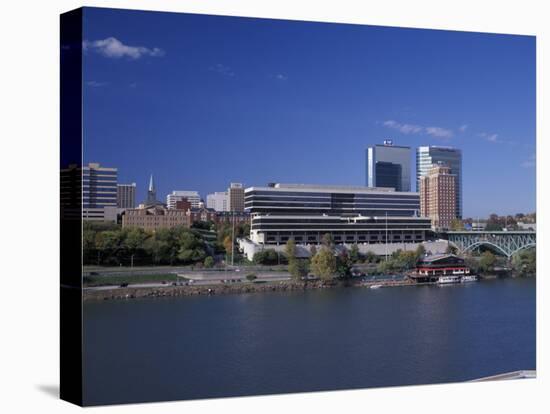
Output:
x=389 y=165
x=452 y=157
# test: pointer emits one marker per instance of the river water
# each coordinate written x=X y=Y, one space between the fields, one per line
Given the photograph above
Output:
x=140 y=350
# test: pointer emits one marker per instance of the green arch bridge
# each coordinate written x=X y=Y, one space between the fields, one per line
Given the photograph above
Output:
x=507 y=242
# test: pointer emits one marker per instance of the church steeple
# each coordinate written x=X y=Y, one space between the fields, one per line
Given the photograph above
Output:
x=151 y=193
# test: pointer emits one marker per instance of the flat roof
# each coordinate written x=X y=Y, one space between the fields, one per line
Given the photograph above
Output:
x=317 y=188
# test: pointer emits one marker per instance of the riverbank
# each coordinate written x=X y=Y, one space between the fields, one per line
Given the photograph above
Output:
x=130 y=292
x=208 y=290
x=205 y=290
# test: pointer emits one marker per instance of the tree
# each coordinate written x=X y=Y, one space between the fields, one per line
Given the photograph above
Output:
x=209 y=262
x=493 y=227
x=343 y=264
x=525 y=262
x=298 y=268
x=312 y=250
x=370 y=257
x=109 y=244
x=457 y=225
x=420 y=251
x=327 y=241
x=290 y=250
x=451 y=249
x=88 y=239
x=354 y=253
x=251 y=276
x=323 y=264
x=203 y=225
x=228 y=245
x=385 y=267
x=487 y=261
x=192 y=248
x=406 y=260
x=266 y=257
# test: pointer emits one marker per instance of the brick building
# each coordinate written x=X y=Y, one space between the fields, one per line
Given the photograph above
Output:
x=438 y=196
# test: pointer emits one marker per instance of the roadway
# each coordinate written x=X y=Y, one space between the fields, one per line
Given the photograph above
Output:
x=195 y=278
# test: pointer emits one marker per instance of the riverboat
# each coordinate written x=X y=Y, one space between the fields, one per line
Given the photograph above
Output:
x=468 y=278
x=449 y=279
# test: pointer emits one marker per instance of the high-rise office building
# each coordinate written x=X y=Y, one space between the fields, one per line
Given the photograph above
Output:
x=438 y=196
x=218 y=201
x=126 y=195
x=99 y=193
x=389 y=165
x=236 y=197
x=426 y=156
x=192 y=196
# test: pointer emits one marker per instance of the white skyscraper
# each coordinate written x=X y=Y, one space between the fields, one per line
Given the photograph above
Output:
x=219 y=201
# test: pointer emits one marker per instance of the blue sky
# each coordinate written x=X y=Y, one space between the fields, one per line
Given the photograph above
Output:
x=201 y=101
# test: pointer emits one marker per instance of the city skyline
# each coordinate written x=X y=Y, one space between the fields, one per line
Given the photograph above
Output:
x=256 y=108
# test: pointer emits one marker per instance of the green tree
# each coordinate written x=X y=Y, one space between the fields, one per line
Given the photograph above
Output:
x=88 y=239
x=290 y=250
x=209 y=262
x=487 y=261
x=327 y=241
x=312 y=250
x=406 y=260
x=323 y=264
x=343 y=264
x=354 y=253
x=192 y=248
x=370 y=257
x=457 y=225
x=385 y=267
x=298 y=268
x=251 y=276
x=420 y=251
x=266 y=257
x=109 y=244
x=451 y=249
x=525 y=262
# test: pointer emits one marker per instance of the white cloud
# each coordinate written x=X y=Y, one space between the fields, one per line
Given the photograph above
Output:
x=439 y=132
x=434 y=131
x=530 y=162
x=404 y=128
x=113 y=48
x=222 y=70
x=280 y=76
x=493 y=138
x=463 y=127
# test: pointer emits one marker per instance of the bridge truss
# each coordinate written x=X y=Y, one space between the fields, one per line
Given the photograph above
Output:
x=507 y=242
